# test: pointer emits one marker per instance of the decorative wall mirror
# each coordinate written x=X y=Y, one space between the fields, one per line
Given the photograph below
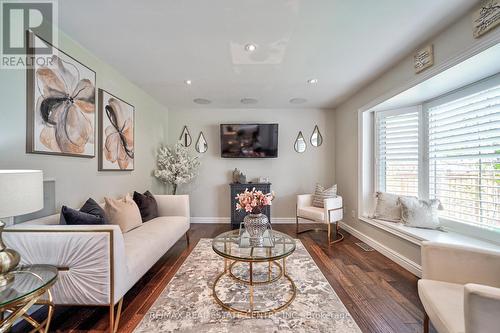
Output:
x=316 y=137
x=185 y=137
x=300 y=143
x=201 y=145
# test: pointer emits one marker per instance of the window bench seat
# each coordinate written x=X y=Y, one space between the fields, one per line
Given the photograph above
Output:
x=410 y=258
x=418 y=235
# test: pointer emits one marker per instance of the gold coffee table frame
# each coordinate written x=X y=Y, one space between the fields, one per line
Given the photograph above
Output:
x=19 y=307
x=232 y=259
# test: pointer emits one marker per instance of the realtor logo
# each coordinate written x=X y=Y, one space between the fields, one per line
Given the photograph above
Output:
x=18 y=17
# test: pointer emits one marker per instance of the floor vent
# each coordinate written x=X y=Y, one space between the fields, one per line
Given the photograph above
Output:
x=365 y=247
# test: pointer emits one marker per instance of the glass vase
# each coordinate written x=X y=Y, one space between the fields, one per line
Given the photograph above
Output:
x=256 y=225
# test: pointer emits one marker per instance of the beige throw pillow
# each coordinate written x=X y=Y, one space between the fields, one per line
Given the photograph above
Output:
x=123 y=212
x=387 y=207
x=320 y=194
x=420 y=213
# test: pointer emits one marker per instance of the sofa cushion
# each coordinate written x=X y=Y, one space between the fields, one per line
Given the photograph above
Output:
x=147 y=205
x=149 y=242
x=313 y=213
x=123 y=212
x=444 y=303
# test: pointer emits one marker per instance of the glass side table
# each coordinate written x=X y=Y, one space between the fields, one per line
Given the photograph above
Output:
x=30 y=285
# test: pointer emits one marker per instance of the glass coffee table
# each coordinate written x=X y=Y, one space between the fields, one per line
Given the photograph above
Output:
x=28 y=288
x=247 y=268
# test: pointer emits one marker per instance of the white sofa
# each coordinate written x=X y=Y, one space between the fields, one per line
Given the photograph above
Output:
x=97 y=263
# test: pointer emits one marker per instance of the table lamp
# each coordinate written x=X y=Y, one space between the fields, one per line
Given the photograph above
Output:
x=21 y=192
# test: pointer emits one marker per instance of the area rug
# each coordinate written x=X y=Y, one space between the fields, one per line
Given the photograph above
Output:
x=187 y=305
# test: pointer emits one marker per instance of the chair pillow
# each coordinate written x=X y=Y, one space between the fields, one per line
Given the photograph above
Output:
x=123 y=212
x=147 y=205
x=320 y=194
x=387 y=207
x=420 y=213
x=92 y=207
x=71 y=216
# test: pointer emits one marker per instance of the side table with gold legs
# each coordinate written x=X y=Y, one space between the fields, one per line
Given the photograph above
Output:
x=226 y=246
x=31 y=286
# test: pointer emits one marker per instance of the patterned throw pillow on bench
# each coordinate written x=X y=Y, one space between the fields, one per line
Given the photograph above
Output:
x=420 y=213
x=408 y=210
x=387 y=207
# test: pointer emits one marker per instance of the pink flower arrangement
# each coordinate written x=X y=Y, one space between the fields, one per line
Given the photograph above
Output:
x=253 y=201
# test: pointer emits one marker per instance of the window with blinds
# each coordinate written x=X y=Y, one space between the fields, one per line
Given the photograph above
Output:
x=464 y=157
x=397 y=156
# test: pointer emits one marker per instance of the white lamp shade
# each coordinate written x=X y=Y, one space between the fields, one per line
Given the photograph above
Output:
x=21 y=192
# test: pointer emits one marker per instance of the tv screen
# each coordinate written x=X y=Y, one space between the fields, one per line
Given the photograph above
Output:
x=249 y=140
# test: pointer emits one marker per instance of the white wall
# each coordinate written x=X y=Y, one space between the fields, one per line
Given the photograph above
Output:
x=449 y=44
x=77 y=178
x=291 y=173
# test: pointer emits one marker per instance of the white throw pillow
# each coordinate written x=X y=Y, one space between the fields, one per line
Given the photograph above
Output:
x=387 y=207
x=320 y=194
x=420 y=213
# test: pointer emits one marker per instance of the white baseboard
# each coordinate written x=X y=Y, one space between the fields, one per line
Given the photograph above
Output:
x=401 y=260
x=197 y=219
x=274 y=220
x=283 y=220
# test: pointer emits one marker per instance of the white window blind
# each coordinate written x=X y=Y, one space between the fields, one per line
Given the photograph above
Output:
x=397 y=156
x=464 y=157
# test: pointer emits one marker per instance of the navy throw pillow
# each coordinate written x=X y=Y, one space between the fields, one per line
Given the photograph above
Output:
x=147 y=205
x=92 y=207
x=71 y=216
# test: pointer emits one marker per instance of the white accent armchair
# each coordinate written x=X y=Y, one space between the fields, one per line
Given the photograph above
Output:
x=460 y=288
x=331 y=213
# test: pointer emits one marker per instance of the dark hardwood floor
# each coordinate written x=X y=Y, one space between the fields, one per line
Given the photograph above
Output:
x=380 y=295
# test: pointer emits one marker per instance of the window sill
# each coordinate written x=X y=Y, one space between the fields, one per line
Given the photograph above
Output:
x=488 y=234
x=418 y=235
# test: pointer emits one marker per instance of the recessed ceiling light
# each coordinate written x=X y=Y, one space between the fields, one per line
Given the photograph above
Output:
x=202 y=101
x=312 y=81
x=188 y=82
x=298 y=100
x=249 y=101
x=250 y=47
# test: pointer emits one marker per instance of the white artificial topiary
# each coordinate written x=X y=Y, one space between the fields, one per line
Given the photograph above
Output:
x=176 y=166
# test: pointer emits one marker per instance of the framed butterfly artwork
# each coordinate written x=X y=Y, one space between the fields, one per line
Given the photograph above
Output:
x=116 y=133
x=60 y=104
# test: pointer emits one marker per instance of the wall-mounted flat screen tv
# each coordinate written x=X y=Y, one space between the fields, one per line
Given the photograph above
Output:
x=249 y=140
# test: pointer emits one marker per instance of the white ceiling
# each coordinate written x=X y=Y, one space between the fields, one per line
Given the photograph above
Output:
x=343 y=43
